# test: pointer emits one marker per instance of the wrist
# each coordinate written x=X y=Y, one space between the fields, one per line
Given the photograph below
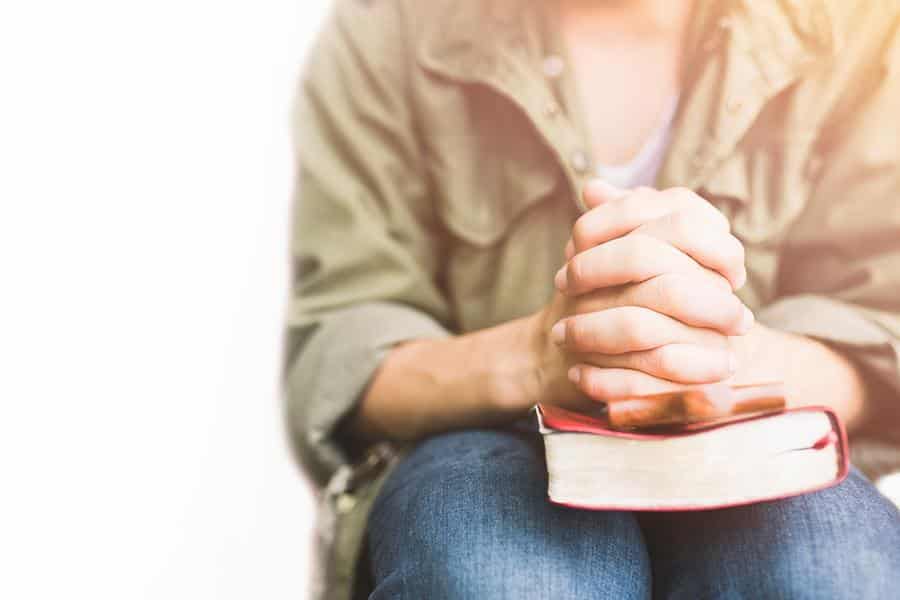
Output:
x=547 y=380
x=815 y=373
x=517 y=381
x=536 y=340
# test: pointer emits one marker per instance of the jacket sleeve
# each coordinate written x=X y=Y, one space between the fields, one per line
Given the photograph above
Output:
x=365 y=245
x=839 y=277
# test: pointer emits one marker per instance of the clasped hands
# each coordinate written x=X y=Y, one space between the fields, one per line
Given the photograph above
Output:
x=646 y=300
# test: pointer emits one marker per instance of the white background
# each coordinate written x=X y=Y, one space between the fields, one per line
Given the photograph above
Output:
x=145 y=175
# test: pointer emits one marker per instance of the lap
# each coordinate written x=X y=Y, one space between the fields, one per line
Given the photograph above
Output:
x=843 y=542
x=466 y=515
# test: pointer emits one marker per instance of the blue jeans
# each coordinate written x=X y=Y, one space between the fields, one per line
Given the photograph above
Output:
x=465 y=515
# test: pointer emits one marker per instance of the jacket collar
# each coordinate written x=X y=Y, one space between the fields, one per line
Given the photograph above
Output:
x=754 y=48
x=494 y=43
x=467 y=40
x=749 y=52
x=464 y=40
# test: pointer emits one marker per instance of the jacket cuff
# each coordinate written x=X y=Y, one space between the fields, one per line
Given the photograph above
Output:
x=865 y=336
x=332 y=369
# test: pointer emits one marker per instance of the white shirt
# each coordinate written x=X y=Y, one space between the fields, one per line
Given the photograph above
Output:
x=642 y=169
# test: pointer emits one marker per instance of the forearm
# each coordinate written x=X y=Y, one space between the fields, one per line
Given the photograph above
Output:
x=813 y=373
x=425 y=387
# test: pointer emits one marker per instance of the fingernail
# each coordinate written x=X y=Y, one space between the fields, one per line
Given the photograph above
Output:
x=741 y=280
x=558 y=333
x=574 y=374
x=560 y=280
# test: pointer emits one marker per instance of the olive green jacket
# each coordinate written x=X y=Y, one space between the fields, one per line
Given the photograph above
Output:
x=442 y=148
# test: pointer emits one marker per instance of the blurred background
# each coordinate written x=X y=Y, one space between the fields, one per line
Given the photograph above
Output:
x=145 y=175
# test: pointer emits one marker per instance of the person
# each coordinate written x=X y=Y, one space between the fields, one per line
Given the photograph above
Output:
x=504 y=202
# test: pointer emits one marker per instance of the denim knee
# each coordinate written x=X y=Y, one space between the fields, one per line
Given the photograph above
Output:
x=846 y=545
x=843 y=542
x=466 y=516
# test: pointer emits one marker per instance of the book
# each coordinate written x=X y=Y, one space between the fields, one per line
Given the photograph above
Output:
x=721 y=463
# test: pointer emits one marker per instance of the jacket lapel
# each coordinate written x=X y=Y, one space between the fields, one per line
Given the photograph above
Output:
x=499 y=44
x=750 y=52
x=740 y=54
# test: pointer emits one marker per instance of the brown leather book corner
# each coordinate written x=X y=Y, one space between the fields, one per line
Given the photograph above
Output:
x=704 y=404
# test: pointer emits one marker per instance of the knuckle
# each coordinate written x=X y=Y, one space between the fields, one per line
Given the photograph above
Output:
x=593 y=384
x=709 y=338
x=684 y=225
x=582 y=231
x=580 y=305
x=666 y=290
x=637 y=254
x=632 y=212
x=717 y=217
x=719 y=341
x=638 y=241
x=663 y=361
x=687 y=199
x=716 y=280
x=719 y=365
x=736 y=251
x=730 y=256
x=627 y=387
x=576 y=334
x=735 y=312
x=631 y=326
x=625 y=384
x=683 y=194
x=704 y=208
x=585 y=336
x=575 y=271
x=712 y=363
x=723 y=314
x=639 y=199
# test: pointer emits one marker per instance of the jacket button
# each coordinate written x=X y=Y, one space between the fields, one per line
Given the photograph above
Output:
x=814 y=166
x=345 y=503
x=553 y=66
x=734 y=105
x=551 y=109
x=579 y=161
x=712 y=42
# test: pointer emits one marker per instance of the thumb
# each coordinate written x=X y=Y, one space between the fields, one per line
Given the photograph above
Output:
x=598 y=191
